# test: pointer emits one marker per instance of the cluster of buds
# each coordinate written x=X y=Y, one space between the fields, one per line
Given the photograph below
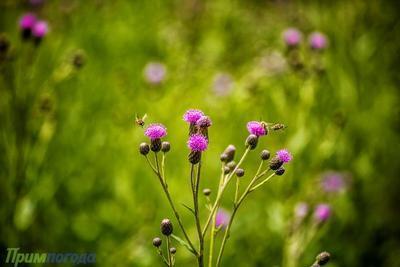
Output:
x=32 y=27
x=166 y=229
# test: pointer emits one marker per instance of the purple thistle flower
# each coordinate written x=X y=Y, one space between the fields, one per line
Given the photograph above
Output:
x=223 y=84
x=155 y=72
x=256 y=128
x=318 y=41
x=222 y=218
x=197 y=143
x=193 y=115
x=156 y=131
x=27 y=21
x=322 y=212
x=333 y=182
x=284 y=155
x=204 y=122
x=40 y=29
x=292 y=37
x=301 y=210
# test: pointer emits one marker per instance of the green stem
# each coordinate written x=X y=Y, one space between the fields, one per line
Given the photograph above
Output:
x=195 y=186
x=169 y=252
x=219 y=196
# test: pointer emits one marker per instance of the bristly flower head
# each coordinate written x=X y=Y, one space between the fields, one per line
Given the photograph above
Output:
x=256 y=128
x=204 y=122
x=318 y=41
x=197 y=143
x=292 y=37
x=27 y=21
x=40 y=29
x=192 y=115
x=322 y=212
x=222 y=218
x=284 y=155
x=156 y=131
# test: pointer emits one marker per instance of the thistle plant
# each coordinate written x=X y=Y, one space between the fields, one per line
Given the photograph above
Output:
x=218 y=219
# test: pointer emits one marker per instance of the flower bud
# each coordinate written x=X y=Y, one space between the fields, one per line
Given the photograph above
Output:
x=207 y=191
x=223 y=157
x=166 y=227
x=265 y=154
x=165 y=147
x=157 y=242
x=144 y=149
x=275 y=163
x=323 y=258
x=226 y=170
x=172 y=250
x=230 y=153
x=239 y=172
x=155 y=145
x=280 y=171
x=231 y=165
x=194 y=157
x=252 y=141
x=78 y=59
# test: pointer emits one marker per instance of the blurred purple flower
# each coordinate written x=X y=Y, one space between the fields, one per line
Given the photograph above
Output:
x=333 y=182
x=222 y=218
x=322 y=212
x=318 y=41
x=40 y=29
x=223 y=84
x=301 y=210
x=27 y=21
x=155 y=72
x=292 y=37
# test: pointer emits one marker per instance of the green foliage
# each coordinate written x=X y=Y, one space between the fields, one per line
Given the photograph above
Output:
x=71 y=177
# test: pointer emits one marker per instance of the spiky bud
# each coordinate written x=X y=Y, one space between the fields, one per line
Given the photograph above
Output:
x=166 y=227
x=155 y=145
x=172 y=250
x=239 y=172
x=194 y=157
x=157 y=242
x=165 y=147
x=323 y=258
x=275 y=163
x=265 y=154
x=207 y=191
x=230 y=153
x=252 y=141
x=144 y=149
x=280 y=171
x=231 y=165
x=223 y=157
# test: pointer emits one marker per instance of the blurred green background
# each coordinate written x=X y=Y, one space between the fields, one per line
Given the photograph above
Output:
x=71 y=177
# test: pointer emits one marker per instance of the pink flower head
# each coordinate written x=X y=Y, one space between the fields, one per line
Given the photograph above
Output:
x=204 y=122
x=301 y=210
x=222 y=218
x=256 y=128
x=333 y=182
x=284 y=155
x=292 y=37
x=197 y=143
x=322 y=212
x=40 y=29
x=27 y=21
x=155 y=72
x=156 y=131
x=318 y=41
x=193 y=115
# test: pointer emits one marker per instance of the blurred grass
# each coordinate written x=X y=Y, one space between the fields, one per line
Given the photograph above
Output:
x=87 y=188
